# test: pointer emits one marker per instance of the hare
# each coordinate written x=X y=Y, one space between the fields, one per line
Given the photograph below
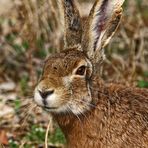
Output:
x=91 y=113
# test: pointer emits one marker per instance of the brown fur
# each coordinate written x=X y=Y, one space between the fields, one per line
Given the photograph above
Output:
x=91 y=112
x=118 y=120
x=118 y=115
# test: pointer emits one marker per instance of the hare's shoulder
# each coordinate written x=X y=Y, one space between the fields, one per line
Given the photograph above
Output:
x=125 y=111
x=129 y=92
x=127 y=102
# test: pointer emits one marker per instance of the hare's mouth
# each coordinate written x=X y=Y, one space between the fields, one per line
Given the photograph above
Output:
x=50 y=108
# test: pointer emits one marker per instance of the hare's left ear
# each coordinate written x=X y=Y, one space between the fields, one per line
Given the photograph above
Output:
x=101 y=26
x=71 y=22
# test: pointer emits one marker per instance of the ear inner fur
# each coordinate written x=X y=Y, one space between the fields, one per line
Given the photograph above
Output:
x=99 y=27
x=102 y=23
x=112 y=27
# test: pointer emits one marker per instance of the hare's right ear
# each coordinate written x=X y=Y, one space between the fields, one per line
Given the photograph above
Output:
x=72 y=22
x=102 y=24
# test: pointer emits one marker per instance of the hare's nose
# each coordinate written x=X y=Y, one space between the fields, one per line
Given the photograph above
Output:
x=45 y=94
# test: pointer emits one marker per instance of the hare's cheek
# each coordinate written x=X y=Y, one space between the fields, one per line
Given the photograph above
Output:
x=67 y=81
x=79 y=86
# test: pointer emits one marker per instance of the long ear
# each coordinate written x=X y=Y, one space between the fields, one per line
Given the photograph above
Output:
x=72 y=22
x=101 y=26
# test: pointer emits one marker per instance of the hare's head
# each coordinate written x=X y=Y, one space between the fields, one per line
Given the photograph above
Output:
x=65 y=83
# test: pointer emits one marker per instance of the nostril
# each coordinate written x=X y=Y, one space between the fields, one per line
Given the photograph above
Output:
x=45 y=94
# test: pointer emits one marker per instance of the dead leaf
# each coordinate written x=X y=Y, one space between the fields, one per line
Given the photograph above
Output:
x=7 y=86
x=6 y=110
x=3 y=137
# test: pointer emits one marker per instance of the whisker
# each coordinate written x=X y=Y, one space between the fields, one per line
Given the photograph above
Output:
x=74 y=114
x=88 y=103
x=93 y=89
x=28 y=114
x=27 y=105
x=82 y=113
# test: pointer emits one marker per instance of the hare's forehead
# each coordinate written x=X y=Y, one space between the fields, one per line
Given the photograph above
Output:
x=67 y=62
x=64 y=62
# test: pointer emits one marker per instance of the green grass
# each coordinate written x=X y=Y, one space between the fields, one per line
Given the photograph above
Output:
x=36 y=136
x=142 y=84
x=36 y=133
x=13 y=144
x=10 y=38
x=25 y=45
x=145 y=74
x=41 y=53
x=24 y=84
x=17 y=104
x=19 y=48
x=58 y=137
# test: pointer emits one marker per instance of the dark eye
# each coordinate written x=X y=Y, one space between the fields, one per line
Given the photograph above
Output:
x=81 y=70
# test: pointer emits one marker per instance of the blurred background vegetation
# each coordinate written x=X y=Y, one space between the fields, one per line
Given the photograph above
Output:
x=30 y=30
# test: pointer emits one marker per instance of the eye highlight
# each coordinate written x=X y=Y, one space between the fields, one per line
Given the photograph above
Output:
x=81 y=70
